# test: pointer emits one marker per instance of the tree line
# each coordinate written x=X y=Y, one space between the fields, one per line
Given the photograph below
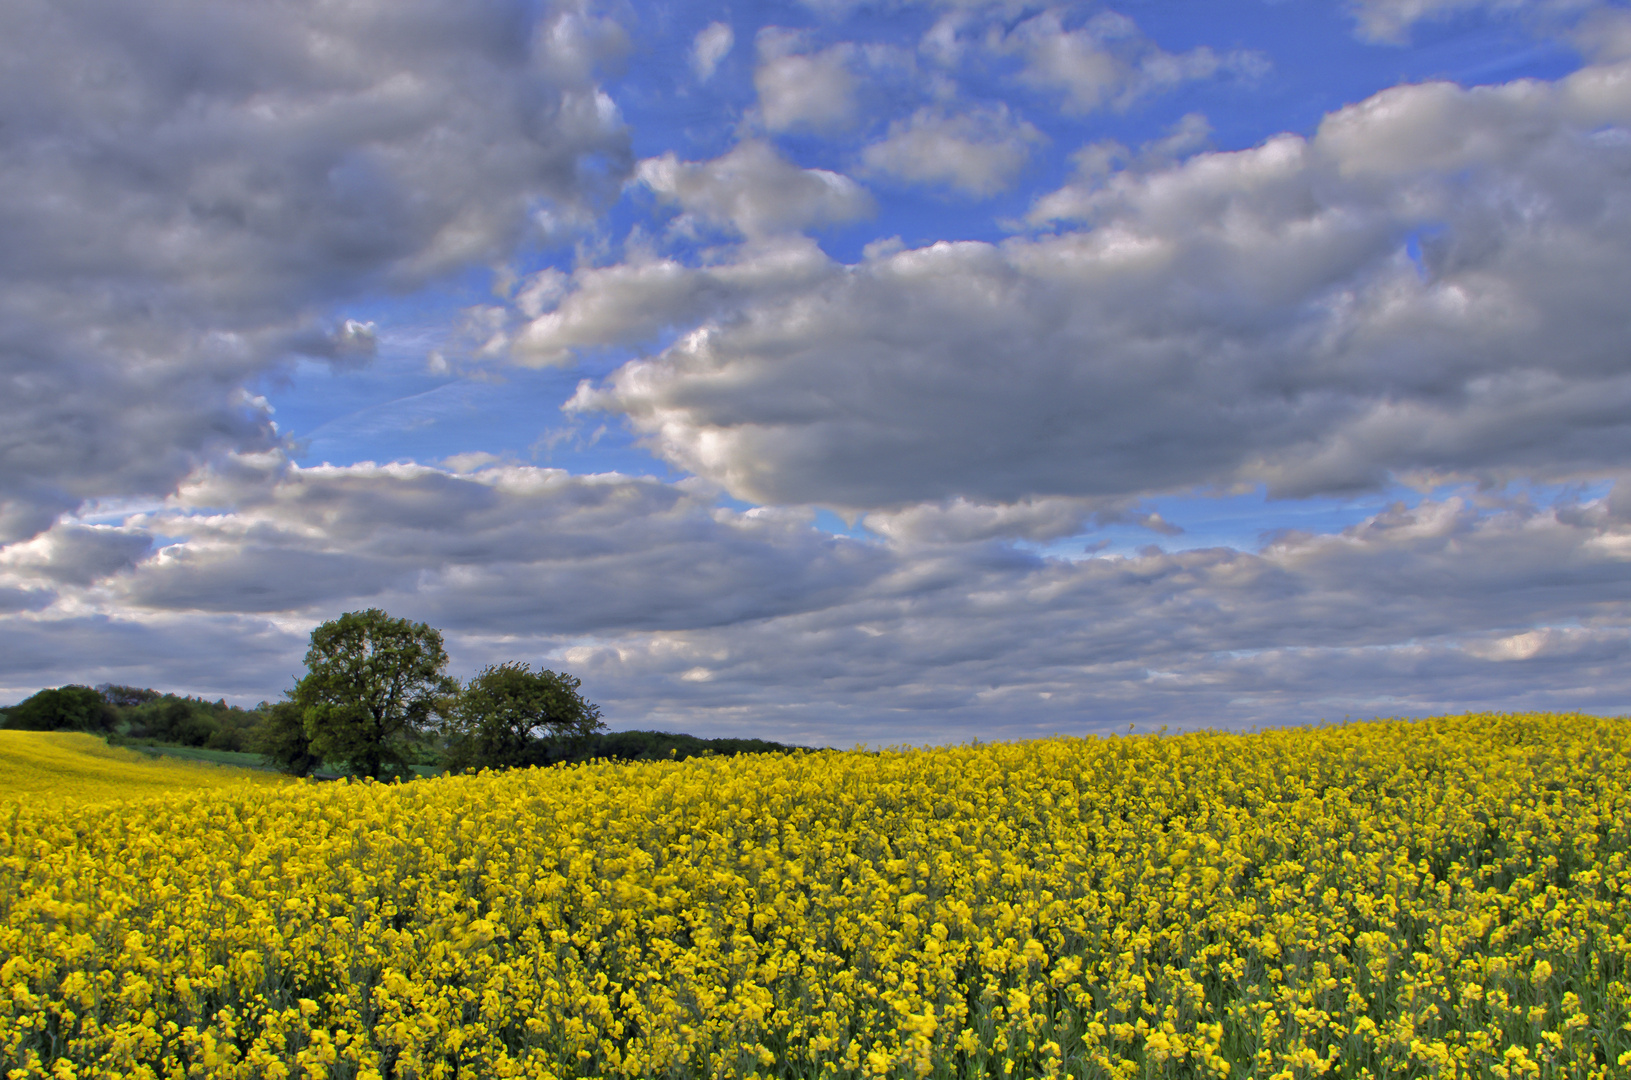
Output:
x=376 y=701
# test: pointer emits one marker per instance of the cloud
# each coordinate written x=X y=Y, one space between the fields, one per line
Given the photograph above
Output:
x=1390 y=21
x=979 y=152
x=711 y=45
x=1097 y=162
x=754 y=191
x=1419 y=610
x=631 y=302
x=813 y=91
x=1427 y=287
x=506 y=547
x=1108 y=61
x=77 y=554
x=1604 y=34
x=679 y=614
x=751 y=191
x=187 y=191
x=959 y=521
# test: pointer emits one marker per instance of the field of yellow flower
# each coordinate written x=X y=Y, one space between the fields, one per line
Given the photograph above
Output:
x=1442 y=898
x=70 y=766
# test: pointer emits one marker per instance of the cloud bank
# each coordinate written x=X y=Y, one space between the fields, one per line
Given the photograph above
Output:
x=1427 y=287
x=187 y=189
x=673 y=609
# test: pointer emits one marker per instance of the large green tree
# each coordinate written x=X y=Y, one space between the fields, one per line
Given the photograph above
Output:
x=502 y=712
x=372 y=686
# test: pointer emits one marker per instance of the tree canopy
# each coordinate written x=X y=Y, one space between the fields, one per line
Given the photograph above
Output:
x=372 y=686
x=65 y=708
x=505 y=709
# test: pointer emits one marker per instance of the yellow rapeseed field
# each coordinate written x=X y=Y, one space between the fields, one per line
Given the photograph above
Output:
x=1446 y=898
x=59 y=766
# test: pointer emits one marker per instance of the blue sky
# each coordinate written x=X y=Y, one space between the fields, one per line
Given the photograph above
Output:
x=837 y=372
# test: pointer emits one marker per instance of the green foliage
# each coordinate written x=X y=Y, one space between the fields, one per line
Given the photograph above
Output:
x=281 y=739
x=66 y=708
x=372 y=685
x=173 y=720
x=501 y=714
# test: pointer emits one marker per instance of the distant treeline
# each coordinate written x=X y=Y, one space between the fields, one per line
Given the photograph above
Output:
x=644 y=746
x=133 y=715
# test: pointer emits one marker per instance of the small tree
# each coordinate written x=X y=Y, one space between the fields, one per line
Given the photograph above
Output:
x=502 y=712
x=372 y=685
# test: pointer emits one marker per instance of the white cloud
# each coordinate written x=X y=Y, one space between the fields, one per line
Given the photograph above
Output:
x=815 y=91
x=1097 y=162
x=979 y=152
x=711 y=45
x=631 y=302
x=1108 y=61
x=960 y=521
x=187 y=190
x=755 y=191
x=1242 y=318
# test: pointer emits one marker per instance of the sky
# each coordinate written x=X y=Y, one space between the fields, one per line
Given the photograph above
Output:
x=834 y=372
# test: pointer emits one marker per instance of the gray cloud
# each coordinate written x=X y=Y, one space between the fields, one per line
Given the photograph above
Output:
x=681 y=615
x=1415 y=612
x=503 y=548
x=77 y=554
x=1254 y=317
x=179 y=654
x=185 y=189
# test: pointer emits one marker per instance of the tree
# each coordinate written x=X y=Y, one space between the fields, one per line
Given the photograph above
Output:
x=281 y=738
x=372 y=685
x=502 y=712
x=66 y=708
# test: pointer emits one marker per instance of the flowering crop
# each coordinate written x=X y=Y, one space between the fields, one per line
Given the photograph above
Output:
x=1445 y=898
x=73 y=766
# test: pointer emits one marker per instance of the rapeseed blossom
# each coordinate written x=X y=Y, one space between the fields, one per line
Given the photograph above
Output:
x=1446 y=898
x=74 y=766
